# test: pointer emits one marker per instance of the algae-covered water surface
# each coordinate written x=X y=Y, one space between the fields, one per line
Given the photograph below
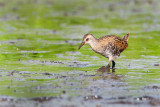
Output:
x=40 y=64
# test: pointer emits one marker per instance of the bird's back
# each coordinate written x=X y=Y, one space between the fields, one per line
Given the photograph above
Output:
x=113 y=45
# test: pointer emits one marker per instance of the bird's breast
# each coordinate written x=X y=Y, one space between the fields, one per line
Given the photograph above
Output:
x=102 y=50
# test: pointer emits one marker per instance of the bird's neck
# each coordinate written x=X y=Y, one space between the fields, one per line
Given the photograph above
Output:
x=94 y=43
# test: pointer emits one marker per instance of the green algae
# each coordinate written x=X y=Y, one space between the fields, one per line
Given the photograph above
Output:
x=43 y=37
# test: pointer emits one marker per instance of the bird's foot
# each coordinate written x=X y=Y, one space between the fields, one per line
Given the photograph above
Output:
x=108 y=68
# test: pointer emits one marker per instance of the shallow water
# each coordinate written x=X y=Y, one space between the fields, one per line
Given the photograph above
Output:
x=40 y=64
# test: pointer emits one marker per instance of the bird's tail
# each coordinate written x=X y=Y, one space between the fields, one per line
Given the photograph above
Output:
x=126 y=37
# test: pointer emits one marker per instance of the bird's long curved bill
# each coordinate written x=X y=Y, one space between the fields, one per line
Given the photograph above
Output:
x=81 y=45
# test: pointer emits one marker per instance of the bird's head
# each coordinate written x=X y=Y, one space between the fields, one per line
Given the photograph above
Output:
x=87 y=39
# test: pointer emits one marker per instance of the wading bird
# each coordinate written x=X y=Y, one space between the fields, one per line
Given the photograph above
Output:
x=109 y=46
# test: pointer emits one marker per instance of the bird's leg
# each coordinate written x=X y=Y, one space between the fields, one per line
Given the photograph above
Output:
x=113 y=66
x=108 y=66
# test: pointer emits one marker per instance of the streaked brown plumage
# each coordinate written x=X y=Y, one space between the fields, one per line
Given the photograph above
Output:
x=109 y=46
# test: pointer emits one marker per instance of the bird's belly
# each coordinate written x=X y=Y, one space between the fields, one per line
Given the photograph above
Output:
x=107 y=54
x=110 y=55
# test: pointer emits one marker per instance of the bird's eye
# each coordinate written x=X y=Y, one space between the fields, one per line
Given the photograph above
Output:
x=87 y=39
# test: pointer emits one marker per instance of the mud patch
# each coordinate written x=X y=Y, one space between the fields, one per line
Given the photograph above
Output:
x=58 y=63
x=92 y=97
x=43 y=99
x=156 y=64
x=126 y=102
x=150 y=100
x=144 y=98
x=152 y=87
